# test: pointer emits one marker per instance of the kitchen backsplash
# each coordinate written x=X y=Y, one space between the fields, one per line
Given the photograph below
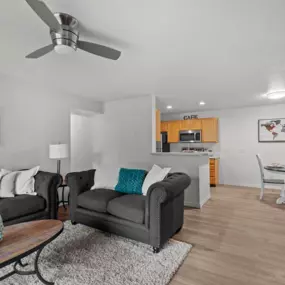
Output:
x=177 y=147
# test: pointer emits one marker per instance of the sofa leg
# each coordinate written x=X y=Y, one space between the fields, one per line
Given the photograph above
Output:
x=73 y=223
x=156 y=249
x=178 y=230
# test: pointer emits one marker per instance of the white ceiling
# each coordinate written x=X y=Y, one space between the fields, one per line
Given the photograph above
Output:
x=225 y=52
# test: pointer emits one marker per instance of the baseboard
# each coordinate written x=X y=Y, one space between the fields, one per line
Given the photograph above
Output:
x=248 y=187
x=205 y=201
x=192 y=205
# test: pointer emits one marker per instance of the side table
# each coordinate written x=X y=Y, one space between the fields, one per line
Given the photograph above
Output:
x=64 y=202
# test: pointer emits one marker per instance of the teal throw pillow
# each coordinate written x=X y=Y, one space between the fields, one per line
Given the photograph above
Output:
x=130 y=181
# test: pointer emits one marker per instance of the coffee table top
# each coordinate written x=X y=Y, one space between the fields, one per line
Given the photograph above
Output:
x=22 y=239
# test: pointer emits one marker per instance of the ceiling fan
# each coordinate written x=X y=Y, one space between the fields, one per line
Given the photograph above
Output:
x=65 y=35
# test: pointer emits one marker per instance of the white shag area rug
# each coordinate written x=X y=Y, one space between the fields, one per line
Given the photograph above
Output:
x=83 y=255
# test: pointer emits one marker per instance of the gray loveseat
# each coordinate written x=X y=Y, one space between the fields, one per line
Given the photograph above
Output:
x=24 y=208
x=151 y=219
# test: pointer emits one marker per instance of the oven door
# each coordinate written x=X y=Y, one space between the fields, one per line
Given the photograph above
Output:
x=187 y=136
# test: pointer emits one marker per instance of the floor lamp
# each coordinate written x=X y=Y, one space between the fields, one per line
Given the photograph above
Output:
x=58 y=151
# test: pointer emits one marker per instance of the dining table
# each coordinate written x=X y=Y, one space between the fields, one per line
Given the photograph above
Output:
x=280 y=170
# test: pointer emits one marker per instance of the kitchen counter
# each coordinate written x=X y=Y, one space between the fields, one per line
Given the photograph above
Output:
x=186 y=154
x=196 y=165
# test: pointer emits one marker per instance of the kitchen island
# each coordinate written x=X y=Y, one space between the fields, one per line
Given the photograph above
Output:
x=196 y=165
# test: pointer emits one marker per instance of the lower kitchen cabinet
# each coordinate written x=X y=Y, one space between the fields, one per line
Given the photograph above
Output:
x=214 y=171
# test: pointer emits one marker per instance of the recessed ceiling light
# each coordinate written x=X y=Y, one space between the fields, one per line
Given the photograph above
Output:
x=202 y=103
x=275 y=95
x=169 y=107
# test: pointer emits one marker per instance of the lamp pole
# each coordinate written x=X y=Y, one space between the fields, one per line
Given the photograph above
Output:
x=58 y=166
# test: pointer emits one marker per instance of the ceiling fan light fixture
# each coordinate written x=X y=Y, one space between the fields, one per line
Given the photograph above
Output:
x=275 y=95
x=63 y=49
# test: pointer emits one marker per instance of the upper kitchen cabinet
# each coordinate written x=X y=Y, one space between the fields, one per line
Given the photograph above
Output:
x=194 y=124
x=210 y=130
x=164 y=126
x=208 y=126
x=158 y=126
x=173 y=131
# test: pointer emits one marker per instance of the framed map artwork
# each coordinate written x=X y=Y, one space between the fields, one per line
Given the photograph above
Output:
x=271 y=130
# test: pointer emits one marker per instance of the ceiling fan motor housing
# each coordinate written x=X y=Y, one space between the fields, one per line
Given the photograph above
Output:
x=69 y=34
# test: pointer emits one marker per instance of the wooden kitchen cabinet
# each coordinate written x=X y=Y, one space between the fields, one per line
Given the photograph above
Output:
x=193 y=124
x=164 y=126
x=210 y=130
x=173 y=131
x=208 y=126
x=214 y=171
x=158 y=126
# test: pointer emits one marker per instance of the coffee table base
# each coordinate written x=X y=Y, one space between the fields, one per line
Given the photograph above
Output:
x=36 y=271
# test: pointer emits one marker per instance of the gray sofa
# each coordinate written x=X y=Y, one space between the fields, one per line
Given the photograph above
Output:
x=151 y=219
x=24 y=208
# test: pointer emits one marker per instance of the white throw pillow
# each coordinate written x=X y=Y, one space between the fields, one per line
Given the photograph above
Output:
x=156 y=174
x=106 y=177
x=4 y=172
x=29 y=187
x=7 y=184
x=18 y=182
x=25 y=182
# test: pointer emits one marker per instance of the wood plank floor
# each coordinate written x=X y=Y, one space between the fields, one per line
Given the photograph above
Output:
x=236 y=240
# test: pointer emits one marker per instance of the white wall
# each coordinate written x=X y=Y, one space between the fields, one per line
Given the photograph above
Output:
x=126 y=132
x=239 y=142
x=81 y=141
x=32 y=118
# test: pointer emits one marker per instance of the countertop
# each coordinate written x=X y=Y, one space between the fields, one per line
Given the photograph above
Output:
x=182 y=153
x=210 y=155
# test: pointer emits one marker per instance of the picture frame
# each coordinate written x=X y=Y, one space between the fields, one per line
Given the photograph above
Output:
x=271 y=130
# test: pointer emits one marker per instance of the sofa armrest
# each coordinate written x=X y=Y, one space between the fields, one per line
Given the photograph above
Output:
x=78 y=182
x=46 y=185
x=165 y=206
x=169 y=188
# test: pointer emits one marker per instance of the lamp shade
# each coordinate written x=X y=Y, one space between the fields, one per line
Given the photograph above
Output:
x=58 y=151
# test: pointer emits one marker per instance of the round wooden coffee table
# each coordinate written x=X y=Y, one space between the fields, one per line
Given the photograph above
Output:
x=23 y=239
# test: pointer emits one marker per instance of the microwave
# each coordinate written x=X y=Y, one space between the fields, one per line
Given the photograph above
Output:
x=193 y=136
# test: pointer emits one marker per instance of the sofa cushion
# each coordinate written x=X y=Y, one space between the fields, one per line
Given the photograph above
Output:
x=97 y=199
x=128 y=207
x=19 y=206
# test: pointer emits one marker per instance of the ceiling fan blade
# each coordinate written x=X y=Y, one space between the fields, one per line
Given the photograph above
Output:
x=100 y=50
x=40 y=52
x=42 y=10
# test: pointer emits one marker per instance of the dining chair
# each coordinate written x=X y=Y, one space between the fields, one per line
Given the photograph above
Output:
x=265 y=180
